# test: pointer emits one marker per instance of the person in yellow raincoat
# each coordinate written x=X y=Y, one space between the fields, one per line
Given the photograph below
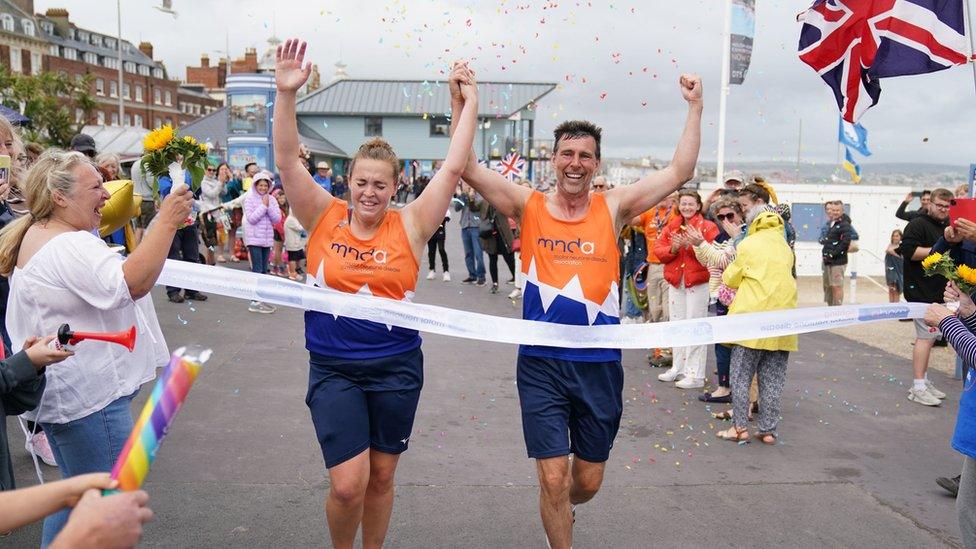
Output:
x=762 y=273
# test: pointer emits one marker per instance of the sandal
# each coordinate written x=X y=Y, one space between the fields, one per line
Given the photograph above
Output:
x=734 y=434
x=766 y=438
x=724 y=416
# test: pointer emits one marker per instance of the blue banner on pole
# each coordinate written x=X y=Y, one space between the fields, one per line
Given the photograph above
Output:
x=854 y=136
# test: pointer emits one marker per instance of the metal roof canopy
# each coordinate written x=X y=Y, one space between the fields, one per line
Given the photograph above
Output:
x=416 y=97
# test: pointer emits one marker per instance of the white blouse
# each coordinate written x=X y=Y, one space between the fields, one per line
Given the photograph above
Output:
x=76 y=279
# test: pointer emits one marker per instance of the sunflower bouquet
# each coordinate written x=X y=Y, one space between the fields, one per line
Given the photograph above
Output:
x=168 y=153
x=941 y=264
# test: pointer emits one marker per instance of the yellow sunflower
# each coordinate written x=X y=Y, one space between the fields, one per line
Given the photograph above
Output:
x=931 y=260
x=967 y=274
x=158 y=138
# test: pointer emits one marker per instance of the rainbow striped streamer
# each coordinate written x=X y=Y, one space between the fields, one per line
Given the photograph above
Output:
x=157 y=415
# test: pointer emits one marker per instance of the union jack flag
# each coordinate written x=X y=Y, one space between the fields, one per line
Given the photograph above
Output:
x=853 y=43
x=512 y=166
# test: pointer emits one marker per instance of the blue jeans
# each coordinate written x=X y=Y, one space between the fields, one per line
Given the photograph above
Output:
x=87 y=445
x=474 y=260
x=259 y=258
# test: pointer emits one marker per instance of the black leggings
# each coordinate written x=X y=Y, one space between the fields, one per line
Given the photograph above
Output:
x=436 y=243
x=493 y=265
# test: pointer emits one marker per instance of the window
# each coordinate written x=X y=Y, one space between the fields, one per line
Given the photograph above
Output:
x=71 y=34
x=47 y=27
x=169 y=98
x=157 y=122
x=138 y=120
x=71 y=53
x=808 y=218
x=113 y=88
x=111 y=62
x=129 y=66
x=28 y=26
x=144 y=70
x=157 y=96
x=79 y=116
x=91 y=58
x=439 y=126
x=110 y=43
x=8 y=22
x=83 y=36
x=55 y=50
x=35 y=63
x=100 y=118
x=79 y=78
x=374 y=126
x=115 y=118
x=169 y=121
x=138 y=93
x=126 y=90
x=96 y=40
x=100 y=86
x=15 y=59
x=196 y=109
x=126 y=47
x=157 y=73
x=182 y=106
x=128 y=119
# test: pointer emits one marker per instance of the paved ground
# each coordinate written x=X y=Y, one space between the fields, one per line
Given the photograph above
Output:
x=241 y=466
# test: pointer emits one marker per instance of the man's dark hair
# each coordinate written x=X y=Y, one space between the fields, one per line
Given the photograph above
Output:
x=249 y=164
x=575 y=129
x=926 y=192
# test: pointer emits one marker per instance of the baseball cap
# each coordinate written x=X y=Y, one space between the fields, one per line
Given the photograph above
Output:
x=322 y=166
x=734 y=175
x=83 y=143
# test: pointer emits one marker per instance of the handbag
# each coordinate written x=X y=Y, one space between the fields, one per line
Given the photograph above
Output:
x=486 y=227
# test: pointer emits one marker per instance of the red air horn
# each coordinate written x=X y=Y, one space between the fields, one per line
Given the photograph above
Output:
x=126 y=338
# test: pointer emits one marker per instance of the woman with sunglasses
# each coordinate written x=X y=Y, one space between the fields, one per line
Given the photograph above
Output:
x=211 y=189
x=716 y=256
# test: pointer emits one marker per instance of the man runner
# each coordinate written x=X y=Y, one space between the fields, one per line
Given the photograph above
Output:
x=571 y=398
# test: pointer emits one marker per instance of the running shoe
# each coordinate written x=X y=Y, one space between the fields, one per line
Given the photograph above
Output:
x=431 y=275
x=690 y=383
x=950 y=485
x=447 y=276
x=673 y=374
x=923 y=396
x=933 y=391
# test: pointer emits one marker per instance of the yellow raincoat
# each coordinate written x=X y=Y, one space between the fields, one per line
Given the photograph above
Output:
x=762 y=272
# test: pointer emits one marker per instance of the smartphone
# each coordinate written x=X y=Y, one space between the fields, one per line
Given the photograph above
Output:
x=962 y=208
x=4 y=168
x=917 y=194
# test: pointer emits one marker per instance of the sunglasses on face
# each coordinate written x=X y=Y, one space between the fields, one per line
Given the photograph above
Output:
x=725 y=217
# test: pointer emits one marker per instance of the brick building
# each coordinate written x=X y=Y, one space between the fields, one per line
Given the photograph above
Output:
x=50 y=42
x=213 y=78
x=22 y=48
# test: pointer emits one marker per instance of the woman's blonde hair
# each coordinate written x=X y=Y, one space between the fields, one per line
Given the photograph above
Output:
x=377 y=149
x=53 y=171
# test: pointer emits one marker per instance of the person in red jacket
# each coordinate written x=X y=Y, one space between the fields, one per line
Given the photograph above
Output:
x=688 y=280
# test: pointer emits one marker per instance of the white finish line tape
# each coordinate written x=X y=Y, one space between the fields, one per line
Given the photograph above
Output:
x=451 y=322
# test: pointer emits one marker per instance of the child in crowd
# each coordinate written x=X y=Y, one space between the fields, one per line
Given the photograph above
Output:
x=261 y=212
x=894 y=263
x=295 y=239
x=278 y=266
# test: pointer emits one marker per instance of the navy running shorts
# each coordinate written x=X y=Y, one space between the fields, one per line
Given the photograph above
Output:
x=569 y=406
x=360 y=404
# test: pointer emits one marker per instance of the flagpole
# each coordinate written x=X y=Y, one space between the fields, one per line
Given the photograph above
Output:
x=724 y=92
x=972 y=41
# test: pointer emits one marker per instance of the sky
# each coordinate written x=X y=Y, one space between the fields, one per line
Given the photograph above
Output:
x=616 y=63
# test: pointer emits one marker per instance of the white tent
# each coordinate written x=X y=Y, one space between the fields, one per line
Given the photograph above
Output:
x=125 y=141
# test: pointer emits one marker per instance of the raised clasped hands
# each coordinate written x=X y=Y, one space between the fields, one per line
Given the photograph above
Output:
x=462 y=83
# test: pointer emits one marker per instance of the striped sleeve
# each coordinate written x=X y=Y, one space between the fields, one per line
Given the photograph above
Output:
x=961 y=337
x=970 y=322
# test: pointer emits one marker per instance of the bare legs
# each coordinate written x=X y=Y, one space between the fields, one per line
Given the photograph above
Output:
x=361 y=492
x=560 y=486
